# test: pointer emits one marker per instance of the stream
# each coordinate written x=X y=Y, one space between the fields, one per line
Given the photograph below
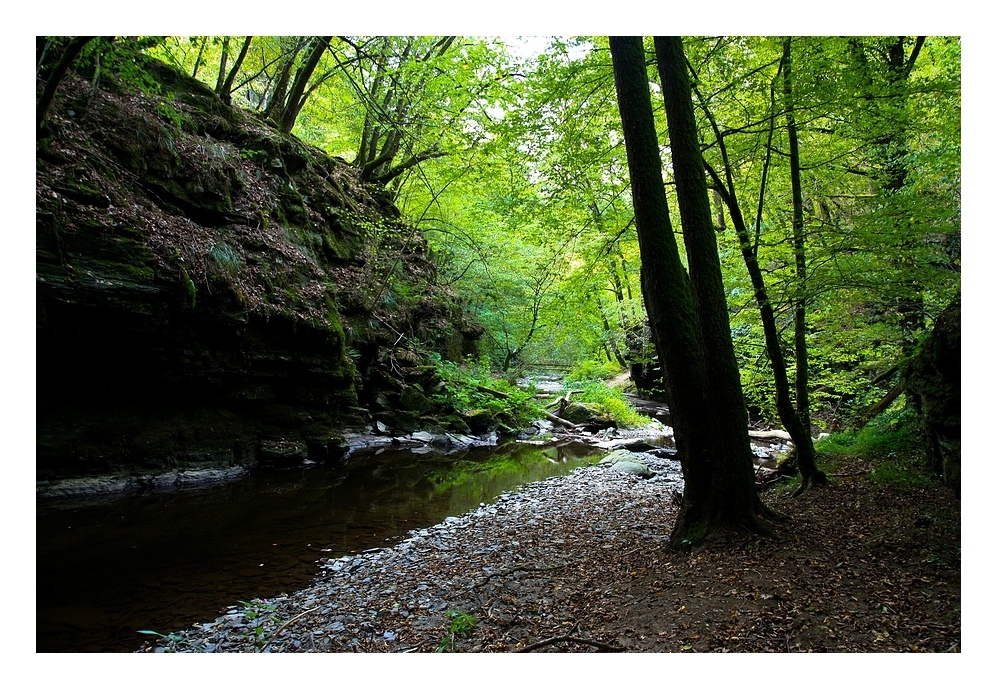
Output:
x=165 y=560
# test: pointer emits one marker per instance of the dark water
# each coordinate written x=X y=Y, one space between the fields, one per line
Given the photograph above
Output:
x=165 y=560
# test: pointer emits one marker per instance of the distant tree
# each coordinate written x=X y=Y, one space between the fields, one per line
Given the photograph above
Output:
x=226 y=80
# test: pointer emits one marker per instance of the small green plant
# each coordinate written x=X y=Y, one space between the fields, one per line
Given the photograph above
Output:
x=461 y=626
x=255 y=609
x=171 y=643
x=169 y=112
x=254 y=155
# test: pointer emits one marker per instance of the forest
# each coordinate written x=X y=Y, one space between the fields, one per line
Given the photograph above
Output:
x=833 y=164
x=397 y=231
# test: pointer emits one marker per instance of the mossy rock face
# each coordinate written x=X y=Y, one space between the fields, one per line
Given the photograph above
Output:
x=479 y=421
x=414 y=400
x=187 y=251
x=934 y=388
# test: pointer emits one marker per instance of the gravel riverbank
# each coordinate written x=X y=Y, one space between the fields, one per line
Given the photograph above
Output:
x=498 y=578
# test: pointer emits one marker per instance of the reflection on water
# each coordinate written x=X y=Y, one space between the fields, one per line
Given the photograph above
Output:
x=166 y=560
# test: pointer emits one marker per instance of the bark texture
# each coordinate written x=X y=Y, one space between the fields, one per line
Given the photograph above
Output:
x=686 y=311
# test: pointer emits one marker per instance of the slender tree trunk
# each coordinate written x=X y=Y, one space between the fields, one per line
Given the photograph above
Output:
x=806 y=455
x=200 y=55
x=295 y=99
x=225 y=90
x=607 y=337
x=56 y=77
x=275 y=105
x=788 y=415
x=773 y=346
x=222 y=64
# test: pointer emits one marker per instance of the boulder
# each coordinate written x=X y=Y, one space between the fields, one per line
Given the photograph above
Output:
x=627 y=462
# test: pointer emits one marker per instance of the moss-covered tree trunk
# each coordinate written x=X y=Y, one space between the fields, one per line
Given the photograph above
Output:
x=732 y=500
x=688 y=323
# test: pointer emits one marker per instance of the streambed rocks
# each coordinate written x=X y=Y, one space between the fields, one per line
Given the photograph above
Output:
x=513 y=565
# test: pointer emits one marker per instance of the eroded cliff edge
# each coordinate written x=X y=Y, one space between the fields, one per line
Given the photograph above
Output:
x=212 y=293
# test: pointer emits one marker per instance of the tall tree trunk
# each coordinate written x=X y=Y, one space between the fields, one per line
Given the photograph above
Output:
x=806 y=455
x=733 y=498
x=664 y=282
x=716 y=457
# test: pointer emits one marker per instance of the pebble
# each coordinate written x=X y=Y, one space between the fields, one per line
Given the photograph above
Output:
x=399 y=597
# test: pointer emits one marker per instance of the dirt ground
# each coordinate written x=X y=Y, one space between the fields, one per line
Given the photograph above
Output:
x=579 y=564
x=858 y=568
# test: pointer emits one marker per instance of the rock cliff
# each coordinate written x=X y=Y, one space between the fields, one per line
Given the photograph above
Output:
x=211 y=292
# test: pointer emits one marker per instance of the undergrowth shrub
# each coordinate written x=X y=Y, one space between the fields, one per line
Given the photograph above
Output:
x=891 y=445
x=611 y=400
x=466 y=390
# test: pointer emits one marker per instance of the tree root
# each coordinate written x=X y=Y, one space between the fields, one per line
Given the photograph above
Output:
x=568 y=638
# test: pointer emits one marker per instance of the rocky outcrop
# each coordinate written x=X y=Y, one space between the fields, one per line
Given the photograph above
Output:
x=934 y=387
x=209 y=291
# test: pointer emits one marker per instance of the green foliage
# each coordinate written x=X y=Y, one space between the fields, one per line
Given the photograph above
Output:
x=461 y=626
x=466 y=390
x=529 y=217
x=592 y=369
x=890 y=443
x=890 y=434
x=173 y=642
x=598 y=395
x=169 y=112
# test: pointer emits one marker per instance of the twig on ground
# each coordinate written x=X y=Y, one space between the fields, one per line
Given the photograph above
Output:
x=286 y=625
x=570 y=639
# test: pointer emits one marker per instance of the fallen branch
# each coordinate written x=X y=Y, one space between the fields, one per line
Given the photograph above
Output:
x=769 y=435
x=570 y=639
x=882 y=406
x=491 y=391
x=286 y=625
x=559 y=420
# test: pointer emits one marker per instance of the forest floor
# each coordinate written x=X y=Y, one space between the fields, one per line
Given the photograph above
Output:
x=870 y=563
